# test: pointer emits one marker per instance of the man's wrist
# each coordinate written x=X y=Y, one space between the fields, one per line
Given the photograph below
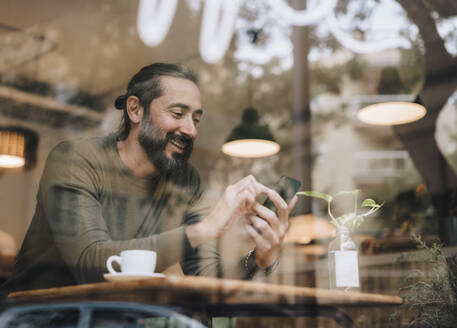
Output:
x=251 y=266
x=198 y=234
x=272 y=267
x=195 y=234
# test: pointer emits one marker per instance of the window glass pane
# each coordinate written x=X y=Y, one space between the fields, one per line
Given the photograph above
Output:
x=133 y=319
x=38 y=319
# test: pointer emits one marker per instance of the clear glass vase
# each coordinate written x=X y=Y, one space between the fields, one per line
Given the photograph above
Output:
x=343 y=261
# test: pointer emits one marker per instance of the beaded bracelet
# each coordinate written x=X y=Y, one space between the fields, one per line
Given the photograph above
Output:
x=250 y=272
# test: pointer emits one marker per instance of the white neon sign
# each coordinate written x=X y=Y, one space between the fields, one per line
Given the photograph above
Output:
x=361 y=47
x=218 y=23
x=214 y=39
x=154 y=20
x=302 y=17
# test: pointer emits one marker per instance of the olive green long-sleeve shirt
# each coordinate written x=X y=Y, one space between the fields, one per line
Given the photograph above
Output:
x=90 y=206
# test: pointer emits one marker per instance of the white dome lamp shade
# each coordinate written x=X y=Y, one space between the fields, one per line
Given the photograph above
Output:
x=392 y=113
x=250 y=139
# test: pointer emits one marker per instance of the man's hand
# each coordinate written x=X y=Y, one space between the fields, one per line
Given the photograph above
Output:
x=268 y=229
x=238 y=200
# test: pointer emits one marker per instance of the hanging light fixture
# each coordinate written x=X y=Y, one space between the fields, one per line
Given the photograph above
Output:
x=392 y=113
x=250 y=139
x=11 y=149
x=17 y=147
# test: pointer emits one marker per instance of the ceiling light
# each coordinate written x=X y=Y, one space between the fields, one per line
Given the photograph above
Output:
x=250 y=148
x=250 y=139
x=17 y=147
x=11 y=149
x=391 y=113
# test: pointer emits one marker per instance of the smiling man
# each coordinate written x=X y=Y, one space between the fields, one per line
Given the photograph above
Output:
x=136 y=190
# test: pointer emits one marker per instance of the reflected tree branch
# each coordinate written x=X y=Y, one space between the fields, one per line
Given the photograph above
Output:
x=418 y=138
x=439 y=84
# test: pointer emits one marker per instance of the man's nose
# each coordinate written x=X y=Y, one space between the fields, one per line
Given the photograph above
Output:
x=188 y=128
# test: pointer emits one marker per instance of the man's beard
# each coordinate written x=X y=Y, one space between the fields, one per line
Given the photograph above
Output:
x=152 y=142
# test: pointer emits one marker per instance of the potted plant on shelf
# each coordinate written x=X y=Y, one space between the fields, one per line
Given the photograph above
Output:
x=342 y=251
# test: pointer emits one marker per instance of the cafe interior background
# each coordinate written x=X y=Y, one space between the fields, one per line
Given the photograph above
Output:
x=62 y=64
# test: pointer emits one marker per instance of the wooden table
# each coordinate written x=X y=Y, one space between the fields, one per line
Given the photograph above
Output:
x=216 y=297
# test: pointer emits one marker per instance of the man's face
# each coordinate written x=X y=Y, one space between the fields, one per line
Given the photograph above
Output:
x=168 y=133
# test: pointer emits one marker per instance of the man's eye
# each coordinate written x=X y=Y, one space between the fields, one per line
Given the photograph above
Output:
x=196 y=120
x=178 y=114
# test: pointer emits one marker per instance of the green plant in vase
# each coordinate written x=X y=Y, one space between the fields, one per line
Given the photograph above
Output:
x=350 y=220
x=342 y=251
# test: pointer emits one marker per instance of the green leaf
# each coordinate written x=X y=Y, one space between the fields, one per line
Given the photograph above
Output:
x=316 y=194
x=369 y=203
x=350 y=220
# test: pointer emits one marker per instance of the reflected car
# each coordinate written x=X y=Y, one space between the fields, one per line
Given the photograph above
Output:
x=81 y=315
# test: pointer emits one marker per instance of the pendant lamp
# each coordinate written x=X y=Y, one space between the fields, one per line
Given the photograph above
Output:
x=392 y=113
x=17 y=148
x=250 y=139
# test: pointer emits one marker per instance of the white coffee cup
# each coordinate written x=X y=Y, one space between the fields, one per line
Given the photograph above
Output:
x=133 y=262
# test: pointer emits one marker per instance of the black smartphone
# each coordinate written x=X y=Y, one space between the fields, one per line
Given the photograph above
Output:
x=286 y=187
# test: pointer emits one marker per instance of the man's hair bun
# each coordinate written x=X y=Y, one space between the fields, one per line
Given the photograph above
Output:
x=119 y=103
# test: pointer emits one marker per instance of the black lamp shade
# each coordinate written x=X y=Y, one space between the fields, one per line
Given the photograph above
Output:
x=250 y=139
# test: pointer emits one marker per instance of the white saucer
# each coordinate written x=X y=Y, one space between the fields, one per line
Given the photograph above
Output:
x=127 y=277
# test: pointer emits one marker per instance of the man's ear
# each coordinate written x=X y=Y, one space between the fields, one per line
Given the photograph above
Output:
x=134 y=109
